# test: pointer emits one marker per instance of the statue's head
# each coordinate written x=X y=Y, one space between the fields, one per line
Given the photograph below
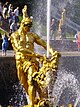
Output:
x=27 y=22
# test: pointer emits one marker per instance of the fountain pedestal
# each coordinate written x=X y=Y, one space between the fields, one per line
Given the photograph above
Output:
x=11 y=91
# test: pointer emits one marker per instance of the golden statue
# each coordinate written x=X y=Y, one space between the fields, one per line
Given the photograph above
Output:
x=24 y=11
x=70 y=105
x=61 y=21
x=62 y=106
x=31 y=75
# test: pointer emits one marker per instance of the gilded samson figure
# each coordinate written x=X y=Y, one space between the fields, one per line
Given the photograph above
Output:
x=30 y=73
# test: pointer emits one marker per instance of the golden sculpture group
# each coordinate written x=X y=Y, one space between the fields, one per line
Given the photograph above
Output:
x=32 y=67
x=61 y=22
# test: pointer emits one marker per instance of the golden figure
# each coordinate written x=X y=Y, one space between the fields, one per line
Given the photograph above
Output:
x=24 y=11
x=31 y=76
x=70 y=105
x=61 y=21
x=62 y=106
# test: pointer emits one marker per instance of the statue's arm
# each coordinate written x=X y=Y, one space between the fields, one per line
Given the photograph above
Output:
x=40 y=41
x=44 y=44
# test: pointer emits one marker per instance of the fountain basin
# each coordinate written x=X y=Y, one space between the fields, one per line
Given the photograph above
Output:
x=66 y=88
x=11 y=91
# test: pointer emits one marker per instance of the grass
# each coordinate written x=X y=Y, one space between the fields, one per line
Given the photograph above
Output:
x=1 y=33
x=20 y=18
x=70 y=36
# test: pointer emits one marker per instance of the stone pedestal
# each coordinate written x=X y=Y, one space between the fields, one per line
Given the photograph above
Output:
x=11 y=91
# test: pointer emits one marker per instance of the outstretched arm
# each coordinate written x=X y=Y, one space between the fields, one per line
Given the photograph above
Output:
x=41 y=42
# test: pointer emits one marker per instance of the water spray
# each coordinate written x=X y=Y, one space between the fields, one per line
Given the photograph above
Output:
x=76 y=102
x=48 y=25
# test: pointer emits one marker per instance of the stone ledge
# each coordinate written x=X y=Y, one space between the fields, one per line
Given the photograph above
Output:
x=8 y=74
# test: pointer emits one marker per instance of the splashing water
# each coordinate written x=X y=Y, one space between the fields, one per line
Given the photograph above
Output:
x=39 y=13
x=18 y=98
x=77 y=101
x=65 y=81
x=48 y=25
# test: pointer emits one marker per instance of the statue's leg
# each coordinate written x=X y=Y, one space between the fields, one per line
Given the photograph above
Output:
x=21 y=75
x=31 y=86
x=39 y=90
